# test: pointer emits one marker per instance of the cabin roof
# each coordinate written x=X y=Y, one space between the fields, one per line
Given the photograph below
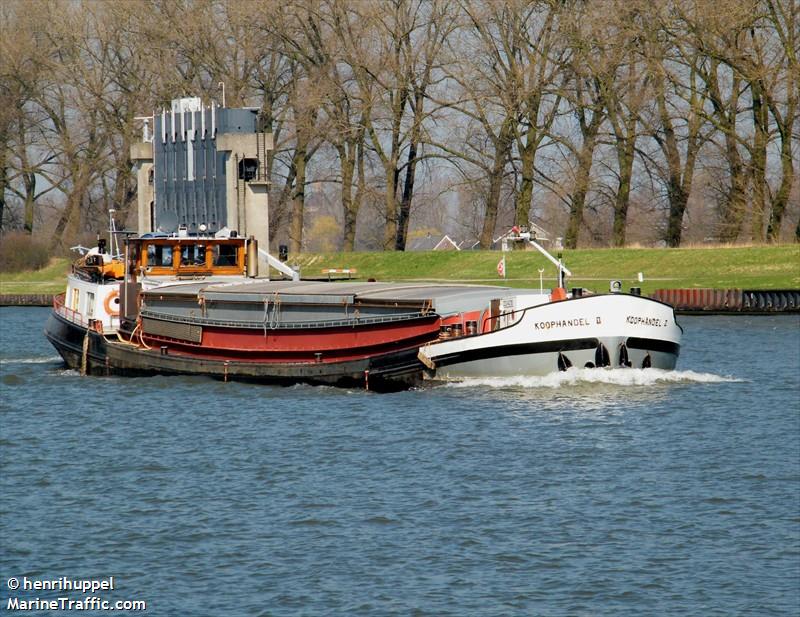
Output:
x=443 y=299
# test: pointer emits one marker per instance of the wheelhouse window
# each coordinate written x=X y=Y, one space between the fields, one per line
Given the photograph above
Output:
x=193 y=255
x=224 y=255
x=159 y=255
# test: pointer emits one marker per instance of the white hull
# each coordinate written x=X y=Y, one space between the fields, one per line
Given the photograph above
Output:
x=607 y=330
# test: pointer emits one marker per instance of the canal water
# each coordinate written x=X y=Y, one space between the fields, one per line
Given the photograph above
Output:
x=583 y=493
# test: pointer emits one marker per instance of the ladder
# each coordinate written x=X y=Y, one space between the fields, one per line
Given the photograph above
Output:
x=261 y=154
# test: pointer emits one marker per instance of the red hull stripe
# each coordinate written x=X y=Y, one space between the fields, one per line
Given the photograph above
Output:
x=276 y=341
x=304 y=345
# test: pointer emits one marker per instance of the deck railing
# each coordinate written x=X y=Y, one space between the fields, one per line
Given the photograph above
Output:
x=67 y=313
x=60 y=308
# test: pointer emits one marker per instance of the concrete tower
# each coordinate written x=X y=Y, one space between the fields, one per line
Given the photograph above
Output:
x=203 y=169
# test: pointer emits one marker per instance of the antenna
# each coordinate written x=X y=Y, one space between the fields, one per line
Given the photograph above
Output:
x=112 y=231
x=222 y=85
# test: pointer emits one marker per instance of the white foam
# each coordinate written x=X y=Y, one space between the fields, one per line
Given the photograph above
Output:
x=47 y=360
x=577 y=376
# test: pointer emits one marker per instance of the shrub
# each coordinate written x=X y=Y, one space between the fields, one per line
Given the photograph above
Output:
x=19 y=251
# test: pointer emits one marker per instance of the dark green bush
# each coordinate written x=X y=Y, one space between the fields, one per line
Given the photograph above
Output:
x=19 y=251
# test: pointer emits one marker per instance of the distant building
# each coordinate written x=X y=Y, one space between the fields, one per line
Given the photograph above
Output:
x=430 y=242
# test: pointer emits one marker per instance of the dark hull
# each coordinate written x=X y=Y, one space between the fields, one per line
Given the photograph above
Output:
x=393 y=371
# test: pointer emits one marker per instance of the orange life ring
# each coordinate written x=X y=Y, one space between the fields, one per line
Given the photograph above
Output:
x=112 y=310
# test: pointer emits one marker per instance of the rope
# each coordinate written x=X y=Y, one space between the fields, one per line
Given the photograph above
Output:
x=85 y=354
x=276 y=308
x=141 y=335
x=123 y=341
x=271 y=320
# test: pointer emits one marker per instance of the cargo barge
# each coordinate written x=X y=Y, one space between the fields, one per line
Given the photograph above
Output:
x=185 y=305
x=184 y=297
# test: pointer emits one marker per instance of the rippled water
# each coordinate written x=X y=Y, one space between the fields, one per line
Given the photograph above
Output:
x=585 y=493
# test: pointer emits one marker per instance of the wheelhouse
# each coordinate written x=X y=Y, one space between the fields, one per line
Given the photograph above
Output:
x=193 y=256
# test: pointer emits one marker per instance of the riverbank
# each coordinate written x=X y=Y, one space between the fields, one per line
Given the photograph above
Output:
x=755 y=267
x=26 y=299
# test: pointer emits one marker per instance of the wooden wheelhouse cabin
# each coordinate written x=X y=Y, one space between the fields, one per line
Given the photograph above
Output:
x=183 y=257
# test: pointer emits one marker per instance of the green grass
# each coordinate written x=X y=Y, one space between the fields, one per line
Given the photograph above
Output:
x=757 y=267
x=48 y=280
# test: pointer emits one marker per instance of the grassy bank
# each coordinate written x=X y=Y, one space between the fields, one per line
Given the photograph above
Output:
x=759 y=267
x=48 y=280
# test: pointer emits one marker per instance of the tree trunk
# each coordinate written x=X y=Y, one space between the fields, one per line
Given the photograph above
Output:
x=277 y=212
x=298 y=199
x=677 y=208
x=781 y=198
x=3 y=184
x=785 y=24
x=622 y=200
x=4 y=149
x=735 y=203
x=348 y=173
x=360 y=189
x=785 y=125
x=124 y=190
x=501 y=153
x=577 y=203
x=522 y=209
x=29 y=180
x=58 y=232
x=759 y=161
x=578 y=200
x=69 y=220
x=390 y=228
x=411 y=169
x=405 y=203
x=392 y=171
x=679 y=176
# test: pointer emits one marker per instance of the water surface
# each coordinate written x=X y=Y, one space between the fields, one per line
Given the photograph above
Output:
x=585 y=493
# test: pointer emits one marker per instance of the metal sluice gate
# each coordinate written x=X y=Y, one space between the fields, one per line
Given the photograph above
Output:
x=730 y=300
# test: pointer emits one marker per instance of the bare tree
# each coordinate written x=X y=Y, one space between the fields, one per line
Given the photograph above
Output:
x=23 y=160
x=738 y=76
x=299 y=29
x=392 y=51
x=423 y=55
x=627 y=87
x=497 y=91
x=541 y=81
x=782 y=99
x=590 y=66
x=309 y=38
x=758 y=41
x=73 y=129
x=304 y=112
x=678 y=119
x=497 y=82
